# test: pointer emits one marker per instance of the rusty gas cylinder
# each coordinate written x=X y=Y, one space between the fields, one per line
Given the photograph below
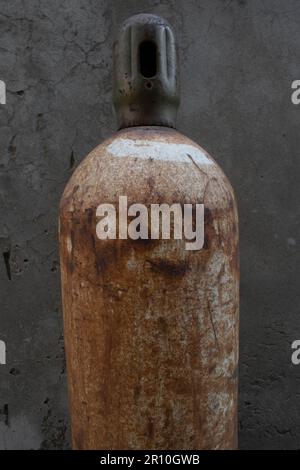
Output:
x=150 y=317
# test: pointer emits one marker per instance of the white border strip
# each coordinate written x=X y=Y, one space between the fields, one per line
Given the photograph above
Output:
x=155 y=150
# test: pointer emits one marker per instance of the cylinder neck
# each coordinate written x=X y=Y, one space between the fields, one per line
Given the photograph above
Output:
x=145 y=78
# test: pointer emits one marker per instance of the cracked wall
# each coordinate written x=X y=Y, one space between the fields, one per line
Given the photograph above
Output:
x=238 y=59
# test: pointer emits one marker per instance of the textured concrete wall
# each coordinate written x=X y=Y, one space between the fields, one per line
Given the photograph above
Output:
x=238 y=59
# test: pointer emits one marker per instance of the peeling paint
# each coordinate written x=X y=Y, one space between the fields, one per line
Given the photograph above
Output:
x=152 y=150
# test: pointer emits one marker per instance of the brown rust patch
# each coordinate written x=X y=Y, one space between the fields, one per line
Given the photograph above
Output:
x=136 y=393
x=78 y=440
x=68 y=198
x=207 y=216
x=70 y=266
x=162 y=325
x=143 y=244
x=107 y=256
x=90 y=212
x=206 y=242
x=168 y=267
x=150 y=428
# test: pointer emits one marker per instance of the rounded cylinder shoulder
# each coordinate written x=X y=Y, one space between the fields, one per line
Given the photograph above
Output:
x=148 y=163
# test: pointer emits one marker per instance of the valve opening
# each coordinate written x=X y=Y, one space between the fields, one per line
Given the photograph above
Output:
x=148 y=59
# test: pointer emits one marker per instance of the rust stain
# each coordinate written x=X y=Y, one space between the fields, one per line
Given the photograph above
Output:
x=169 y=267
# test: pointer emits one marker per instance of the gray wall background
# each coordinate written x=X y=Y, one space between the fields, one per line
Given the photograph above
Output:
x=238 y=59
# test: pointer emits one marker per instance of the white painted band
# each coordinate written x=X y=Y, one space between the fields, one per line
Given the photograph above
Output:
x=155 y=150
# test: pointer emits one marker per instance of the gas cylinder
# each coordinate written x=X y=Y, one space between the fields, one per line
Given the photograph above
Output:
x=151 y=312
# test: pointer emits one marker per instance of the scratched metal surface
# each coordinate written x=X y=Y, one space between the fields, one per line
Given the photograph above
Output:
x=151 y=328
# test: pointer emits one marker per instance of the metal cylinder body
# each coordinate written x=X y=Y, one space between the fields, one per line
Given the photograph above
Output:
x=151 y=328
